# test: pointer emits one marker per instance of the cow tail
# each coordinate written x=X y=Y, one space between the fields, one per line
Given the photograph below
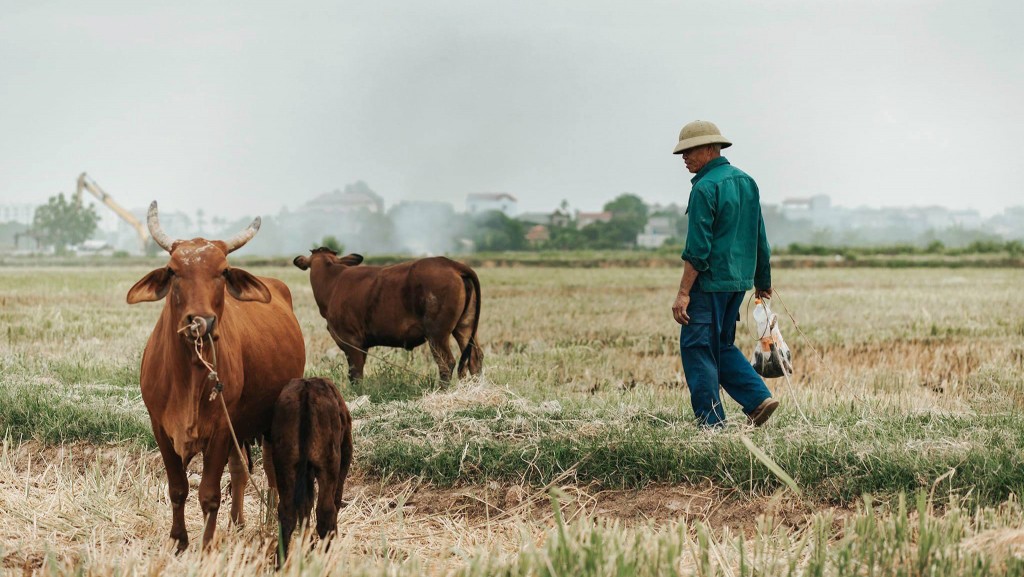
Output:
x=302 y=467
x=471 y=353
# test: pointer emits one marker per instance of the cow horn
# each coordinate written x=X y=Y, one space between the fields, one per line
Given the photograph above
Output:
x=238 y=241
x=156 y=231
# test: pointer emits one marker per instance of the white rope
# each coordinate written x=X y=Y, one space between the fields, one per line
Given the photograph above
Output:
x=218 y=387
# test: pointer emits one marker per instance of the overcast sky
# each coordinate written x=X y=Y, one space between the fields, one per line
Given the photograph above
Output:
x=245 y=107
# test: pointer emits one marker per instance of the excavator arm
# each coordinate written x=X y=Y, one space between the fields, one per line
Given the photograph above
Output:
x=86 y=183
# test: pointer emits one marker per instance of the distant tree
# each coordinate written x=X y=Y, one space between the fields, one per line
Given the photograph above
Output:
x=616 y=233
x=60 y=223
x=565 y=238
x=330 y=242
x=628 y=206
x=629 y=216
x=495 y=231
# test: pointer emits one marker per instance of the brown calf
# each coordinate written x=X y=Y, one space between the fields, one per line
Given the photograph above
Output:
x=403 y=305
x=311 y=436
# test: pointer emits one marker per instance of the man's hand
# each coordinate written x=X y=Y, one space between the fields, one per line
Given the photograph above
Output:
x=765 y=293
x=679 y=308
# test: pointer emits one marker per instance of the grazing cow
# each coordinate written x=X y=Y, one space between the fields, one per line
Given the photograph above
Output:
x=257 y=348
x=403 y=305
x=312 y=440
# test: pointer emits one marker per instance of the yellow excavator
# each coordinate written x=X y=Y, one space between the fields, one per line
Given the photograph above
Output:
x=86 y=183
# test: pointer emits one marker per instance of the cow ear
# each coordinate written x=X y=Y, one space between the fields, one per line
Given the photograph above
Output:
x=152 y=287
x=351 y=259
x=302 y=262
x=246 y=287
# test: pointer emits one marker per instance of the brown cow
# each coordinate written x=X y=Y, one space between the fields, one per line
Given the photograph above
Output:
x=312 y=440
x=259 y=348
x=402 y=305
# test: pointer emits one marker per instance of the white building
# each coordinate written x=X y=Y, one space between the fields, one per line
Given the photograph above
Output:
x=806 y=208
x=657 y=230
x=480 y=202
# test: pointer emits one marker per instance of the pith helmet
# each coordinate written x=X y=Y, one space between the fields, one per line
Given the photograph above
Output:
x=699 y=133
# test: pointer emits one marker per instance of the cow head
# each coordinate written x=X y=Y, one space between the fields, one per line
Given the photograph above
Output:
x=326 y=256
x=197 y=277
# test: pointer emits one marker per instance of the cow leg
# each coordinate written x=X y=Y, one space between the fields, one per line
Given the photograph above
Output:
x=268 y=466
x=327 y=492
x=344 y=462
x=306 y=511
x=442 y=352
x=283 y=464
x=356 y=360
x=286 y=510
x=239 y=477
x=463 y=339
x=215 y=458
x=177 y=487
x=463 y=334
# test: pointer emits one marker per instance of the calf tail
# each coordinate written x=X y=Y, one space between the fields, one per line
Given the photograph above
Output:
x=471 y=353
x=302 y=495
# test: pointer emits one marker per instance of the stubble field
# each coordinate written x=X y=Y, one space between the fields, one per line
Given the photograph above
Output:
x=576 y=453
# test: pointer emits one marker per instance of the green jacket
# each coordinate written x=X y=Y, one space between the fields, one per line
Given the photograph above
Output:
x=726 y=240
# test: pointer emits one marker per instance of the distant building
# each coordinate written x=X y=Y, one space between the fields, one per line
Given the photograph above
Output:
x=1009 y=224
x=353 y=216
x=355 y=197
x=22 y=213
x=559 y=218
x=807 y=207
x=538 y=235
x=479 y=202
x=549 y=219
x=93 y=247
x=543 y=218
x=586 y=218
x=657 y=230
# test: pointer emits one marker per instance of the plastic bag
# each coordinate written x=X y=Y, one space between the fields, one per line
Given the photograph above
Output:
x=771 y=357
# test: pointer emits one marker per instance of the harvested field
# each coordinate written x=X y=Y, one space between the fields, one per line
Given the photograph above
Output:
x=575 y=453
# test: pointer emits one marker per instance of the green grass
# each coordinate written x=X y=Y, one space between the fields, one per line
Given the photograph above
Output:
x=910 y=377
x=59 y=414
x=868 y=544
x=847 y=453
x=906 y=384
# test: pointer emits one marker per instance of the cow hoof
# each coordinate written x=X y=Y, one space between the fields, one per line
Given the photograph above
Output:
x=181 y=547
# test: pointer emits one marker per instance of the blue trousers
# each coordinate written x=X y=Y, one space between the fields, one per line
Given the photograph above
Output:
x=710 y=357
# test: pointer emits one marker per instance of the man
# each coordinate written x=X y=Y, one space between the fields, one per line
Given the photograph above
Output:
x=726 y=254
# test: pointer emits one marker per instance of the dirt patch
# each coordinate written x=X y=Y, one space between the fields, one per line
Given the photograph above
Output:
x=29 y=563
x=714 y=507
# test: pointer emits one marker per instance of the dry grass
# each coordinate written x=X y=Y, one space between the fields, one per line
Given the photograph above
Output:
x=79 y=509
x=570 y=353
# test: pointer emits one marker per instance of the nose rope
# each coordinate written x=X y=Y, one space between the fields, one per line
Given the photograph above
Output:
x=218 y=387
x=196 y=328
